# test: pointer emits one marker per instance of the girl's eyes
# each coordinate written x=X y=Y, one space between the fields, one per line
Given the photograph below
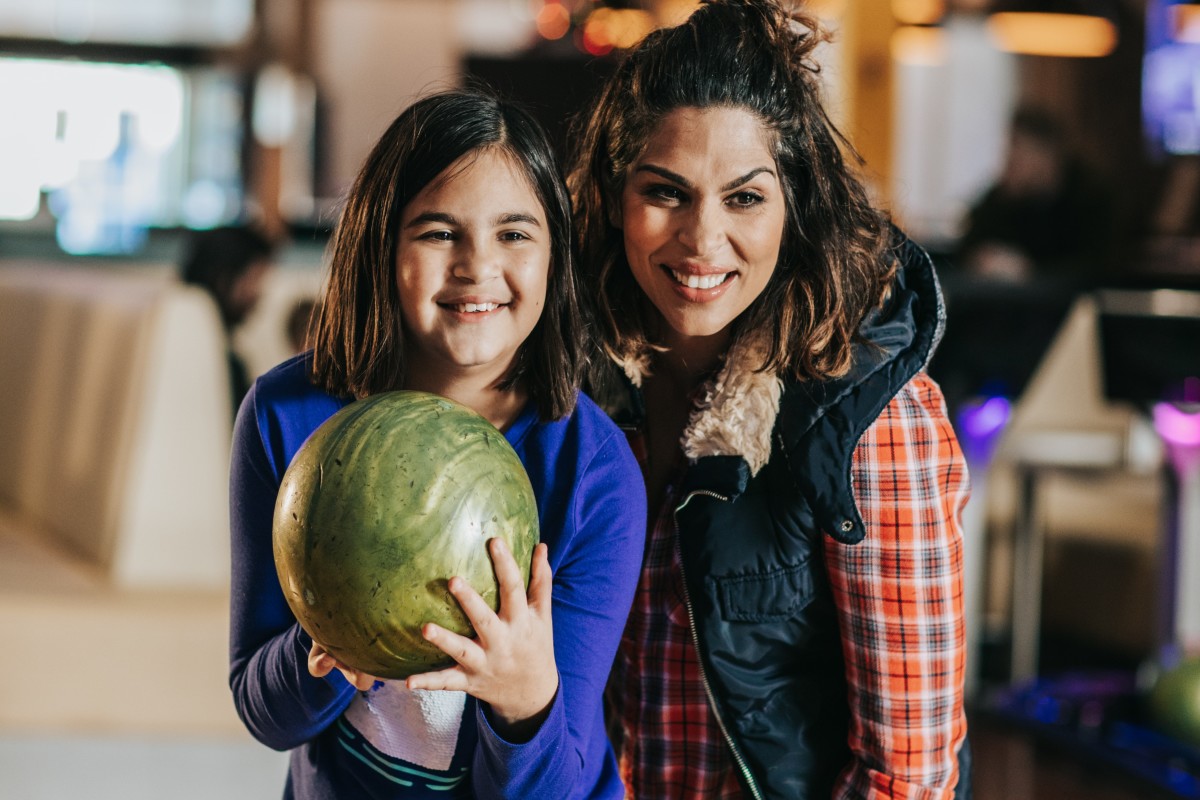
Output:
x=450 y=236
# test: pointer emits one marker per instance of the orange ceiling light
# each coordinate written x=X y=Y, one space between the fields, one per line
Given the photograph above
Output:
x=1071 y=30
x=553 y=21
x=918 y=12
x=919 y=45
x=609 y=28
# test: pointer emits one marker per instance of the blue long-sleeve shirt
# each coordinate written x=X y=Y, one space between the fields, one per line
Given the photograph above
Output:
x=392 y=743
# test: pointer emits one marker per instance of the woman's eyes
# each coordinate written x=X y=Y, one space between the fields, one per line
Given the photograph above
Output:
x=438 y=236
x=675 y=196
x=745 y=199
x=661 y=191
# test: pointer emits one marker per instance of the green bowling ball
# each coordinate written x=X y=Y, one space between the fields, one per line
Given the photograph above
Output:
x=384 y=503
x=1175 y=701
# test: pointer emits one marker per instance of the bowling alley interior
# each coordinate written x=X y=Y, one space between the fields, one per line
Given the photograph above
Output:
x=1045 y=154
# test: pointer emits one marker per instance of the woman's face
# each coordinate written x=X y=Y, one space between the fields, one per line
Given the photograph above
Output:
x=703 y=215
x=472 y=264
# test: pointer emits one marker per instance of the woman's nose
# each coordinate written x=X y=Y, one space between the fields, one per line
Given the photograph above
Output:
x=701 y=228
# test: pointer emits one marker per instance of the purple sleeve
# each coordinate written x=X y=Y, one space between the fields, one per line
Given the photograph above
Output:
x=280 y=703
x=595 y=576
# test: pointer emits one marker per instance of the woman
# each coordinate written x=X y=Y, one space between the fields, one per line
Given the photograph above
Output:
x=798 y=628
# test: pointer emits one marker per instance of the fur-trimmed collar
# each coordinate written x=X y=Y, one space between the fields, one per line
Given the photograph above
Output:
x=736 y=410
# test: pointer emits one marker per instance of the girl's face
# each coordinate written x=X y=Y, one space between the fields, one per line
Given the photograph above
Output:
x=703 y=214
x=472 y=261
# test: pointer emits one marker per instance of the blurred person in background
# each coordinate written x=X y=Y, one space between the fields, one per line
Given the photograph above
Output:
x=230 y=263
x=1045 y=217
x=1039 y=236
x=300 y=323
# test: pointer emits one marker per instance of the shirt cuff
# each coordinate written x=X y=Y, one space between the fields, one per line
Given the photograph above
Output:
x=522 y=758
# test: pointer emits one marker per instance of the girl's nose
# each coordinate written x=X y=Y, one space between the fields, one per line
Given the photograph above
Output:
x=477 y=262
x=701 y=229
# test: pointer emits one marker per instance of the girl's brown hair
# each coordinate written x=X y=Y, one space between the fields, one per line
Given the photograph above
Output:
x=358 y=338
x=835 y=262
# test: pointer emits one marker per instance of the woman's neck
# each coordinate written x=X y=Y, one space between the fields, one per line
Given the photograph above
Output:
x=690 y=360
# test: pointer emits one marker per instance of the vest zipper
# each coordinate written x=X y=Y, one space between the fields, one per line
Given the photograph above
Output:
x=740 y=760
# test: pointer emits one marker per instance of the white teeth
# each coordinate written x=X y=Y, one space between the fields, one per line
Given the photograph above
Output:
x=699 y=281
x=471 y=308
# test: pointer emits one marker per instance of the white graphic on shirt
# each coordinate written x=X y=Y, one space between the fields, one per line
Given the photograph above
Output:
x=420 y=727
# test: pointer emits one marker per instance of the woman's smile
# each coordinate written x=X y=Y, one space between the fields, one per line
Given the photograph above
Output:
x=700 y=284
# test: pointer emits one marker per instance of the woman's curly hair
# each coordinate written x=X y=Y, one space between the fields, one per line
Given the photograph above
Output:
x=835 y=262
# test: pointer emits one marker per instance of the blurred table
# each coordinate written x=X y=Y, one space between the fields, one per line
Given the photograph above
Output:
x=1035 y=455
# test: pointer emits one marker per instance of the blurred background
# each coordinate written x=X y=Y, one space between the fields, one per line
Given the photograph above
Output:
x=170 y=172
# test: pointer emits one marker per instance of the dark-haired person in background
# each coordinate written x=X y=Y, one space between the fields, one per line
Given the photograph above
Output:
x=231 y=264
x=798 y=629
x=1046 y=217
x=300 y=323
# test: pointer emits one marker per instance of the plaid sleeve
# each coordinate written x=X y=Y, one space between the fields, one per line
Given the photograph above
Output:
x=900 y=603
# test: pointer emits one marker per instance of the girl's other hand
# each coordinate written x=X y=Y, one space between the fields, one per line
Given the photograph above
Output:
x=510 y=665
x=320 y=664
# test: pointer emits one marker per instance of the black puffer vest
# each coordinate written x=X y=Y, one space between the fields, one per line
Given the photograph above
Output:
x=750 y=528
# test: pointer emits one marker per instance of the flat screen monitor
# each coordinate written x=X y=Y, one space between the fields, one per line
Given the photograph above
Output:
x=1150 y=345
x=996 y=335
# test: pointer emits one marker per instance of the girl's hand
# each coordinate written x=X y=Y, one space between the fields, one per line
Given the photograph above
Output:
x=510 y=665
x=320 y=664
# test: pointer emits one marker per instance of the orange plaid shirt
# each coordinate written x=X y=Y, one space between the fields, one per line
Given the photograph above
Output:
x=900 y=604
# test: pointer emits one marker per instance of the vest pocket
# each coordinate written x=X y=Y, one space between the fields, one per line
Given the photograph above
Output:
x=770 y=596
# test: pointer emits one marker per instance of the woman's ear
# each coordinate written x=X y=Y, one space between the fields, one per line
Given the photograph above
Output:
x=613 y=205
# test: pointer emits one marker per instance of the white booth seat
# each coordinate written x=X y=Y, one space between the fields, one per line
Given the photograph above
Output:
x=115 y=421
x=115 y=426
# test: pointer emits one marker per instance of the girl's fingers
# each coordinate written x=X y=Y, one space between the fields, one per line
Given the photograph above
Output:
x=320 y=663
x=540 y=580
x=508 y=574
x=466 y=653
x=478 y=612
x=359 y=680
x=452 y=680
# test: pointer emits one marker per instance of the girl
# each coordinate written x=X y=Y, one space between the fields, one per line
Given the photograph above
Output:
x=451 y=272
x=798 y=629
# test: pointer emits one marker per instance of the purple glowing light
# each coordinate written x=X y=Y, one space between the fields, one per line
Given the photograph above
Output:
x=979 y=427
x=982 y=421
x=1176 y=426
